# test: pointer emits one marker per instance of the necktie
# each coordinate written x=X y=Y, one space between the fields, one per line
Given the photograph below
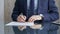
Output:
x=32 y=5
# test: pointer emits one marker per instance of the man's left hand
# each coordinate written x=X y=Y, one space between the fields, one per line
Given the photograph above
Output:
x=34 y=17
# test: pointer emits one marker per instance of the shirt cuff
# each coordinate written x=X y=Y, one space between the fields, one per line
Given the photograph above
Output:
x=41 y=15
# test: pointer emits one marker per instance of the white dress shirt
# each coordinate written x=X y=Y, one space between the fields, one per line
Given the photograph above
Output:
x=35 y=4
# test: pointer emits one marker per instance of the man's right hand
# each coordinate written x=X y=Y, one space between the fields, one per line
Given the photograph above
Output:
x=21 y=18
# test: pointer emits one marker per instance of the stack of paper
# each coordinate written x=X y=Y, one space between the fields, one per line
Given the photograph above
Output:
x=20 y=24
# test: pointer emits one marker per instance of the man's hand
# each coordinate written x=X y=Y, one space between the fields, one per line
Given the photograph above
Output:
x=34 y=17
x=21 y=18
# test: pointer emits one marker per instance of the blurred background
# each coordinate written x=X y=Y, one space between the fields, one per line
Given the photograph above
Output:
x=7 y=11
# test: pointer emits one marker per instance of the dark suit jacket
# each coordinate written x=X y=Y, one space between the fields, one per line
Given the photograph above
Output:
x=46 y=7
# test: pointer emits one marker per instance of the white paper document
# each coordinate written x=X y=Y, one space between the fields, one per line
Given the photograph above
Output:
x=20 y=24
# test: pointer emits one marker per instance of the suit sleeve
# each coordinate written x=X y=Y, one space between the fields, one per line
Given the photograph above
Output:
x=16 y=11
x=52 y=14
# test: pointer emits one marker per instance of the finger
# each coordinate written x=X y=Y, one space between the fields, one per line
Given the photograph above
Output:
x=22 y=17
x=25 y=17
x=21 y=20
x=33 y=20
x=30 y=20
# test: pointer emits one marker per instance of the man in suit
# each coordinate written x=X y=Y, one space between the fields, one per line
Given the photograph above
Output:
x=43 y=10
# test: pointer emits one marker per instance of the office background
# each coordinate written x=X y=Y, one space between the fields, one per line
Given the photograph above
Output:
x=8 y=7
